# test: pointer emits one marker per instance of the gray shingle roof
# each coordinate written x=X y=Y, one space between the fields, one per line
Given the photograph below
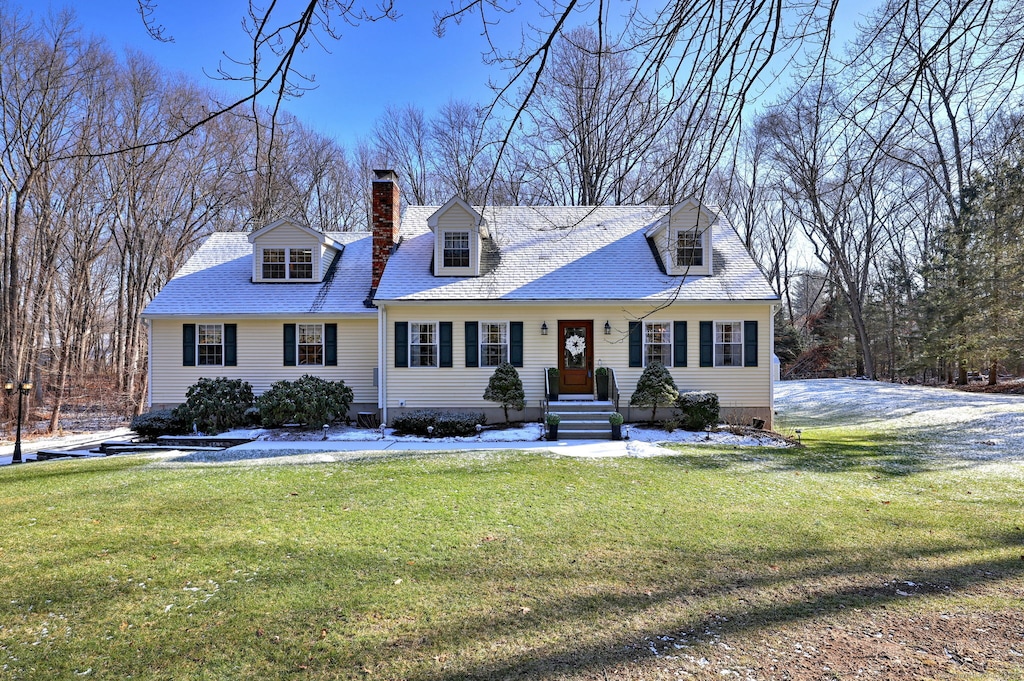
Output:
x=217 y=280
x=559 y=253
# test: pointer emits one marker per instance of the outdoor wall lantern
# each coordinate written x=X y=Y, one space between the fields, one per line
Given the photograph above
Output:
x=543 y=328
x=23 y=389
x=607 y=329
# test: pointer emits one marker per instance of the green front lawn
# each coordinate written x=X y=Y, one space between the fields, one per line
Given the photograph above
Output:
x=499 y=565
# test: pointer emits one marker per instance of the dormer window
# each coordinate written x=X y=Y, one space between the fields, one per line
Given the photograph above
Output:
x=682 y=239
x=689 y=249
x=273 y=263
x=300 y=263
x=456 y=249
x=459 y=231
x=287 y=263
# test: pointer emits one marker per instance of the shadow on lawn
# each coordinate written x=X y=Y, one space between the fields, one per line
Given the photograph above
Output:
x=812 y=601
x=876 y=454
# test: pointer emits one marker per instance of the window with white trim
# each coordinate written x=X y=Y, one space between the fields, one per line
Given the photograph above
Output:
x=728 y=344
x=658 y=343
x=310 y=344
x=300 y=263
x=210 y=344
x=456 y=249
x=287 y=263
x=423 y=344
x=273 y=263
x=689 y=248
x=493 y=343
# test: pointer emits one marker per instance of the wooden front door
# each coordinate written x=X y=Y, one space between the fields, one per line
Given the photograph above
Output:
x=576 y=358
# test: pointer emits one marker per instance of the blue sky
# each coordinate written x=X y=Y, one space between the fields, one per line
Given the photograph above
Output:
x=372 y=66
x=351 y=89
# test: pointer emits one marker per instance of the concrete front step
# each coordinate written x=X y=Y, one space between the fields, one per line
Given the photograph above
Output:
x=580 y=405
x=585 y=434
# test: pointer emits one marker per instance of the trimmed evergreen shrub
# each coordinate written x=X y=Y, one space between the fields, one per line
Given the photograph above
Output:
x=445 y=423
x=506 y=388
x=309 y=400
x=215 y=404
x=655 y=387
x=698 y=409
x=153 y=424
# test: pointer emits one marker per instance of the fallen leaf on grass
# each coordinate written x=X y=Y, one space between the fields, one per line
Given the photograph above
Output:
x=524 y=609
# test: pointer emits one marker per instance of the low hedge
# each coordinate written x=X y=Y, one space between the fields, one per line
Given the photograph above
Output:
x=445 y=423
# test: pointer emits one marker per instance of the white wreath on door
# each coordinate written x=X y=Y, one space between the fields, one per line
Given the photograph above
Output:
x=575 y=345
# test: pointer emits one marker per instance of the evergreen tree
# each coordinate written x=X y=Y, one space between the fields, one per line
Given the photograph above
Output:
x=655 y=387
x=506 y=388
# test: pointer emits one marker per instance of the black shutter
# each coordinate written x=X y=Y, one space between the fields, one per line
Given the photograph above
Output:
x=289 y=345
x=401 y=344
x=750 y=344
x=230 y=345
x=331 y=345
x=636 y=344
x=444 y=333
x=515 y=343
x=472 y=344
x=679 y=341
x=188 y=345
x=707 y=344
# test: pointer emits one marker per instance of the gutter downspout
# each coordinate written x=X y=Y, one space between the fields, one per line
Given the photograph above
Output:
x=382 y=345
x=149 y=364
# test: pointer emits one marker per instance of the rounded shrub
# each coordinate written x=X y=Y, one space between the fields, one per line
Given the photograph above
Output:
x=215 y=404
x=153 y=424
x=698 y=409
x=309 y=400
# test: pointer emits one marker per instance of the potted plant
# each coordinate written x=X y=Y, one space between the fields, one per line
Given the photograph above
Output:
x=553 y=420
x=615 y=419
x=553 y=384
x=601 y=373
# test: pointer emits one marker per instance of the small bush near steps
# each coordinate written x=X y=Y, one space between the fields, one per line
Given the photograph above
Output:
x=506 y=388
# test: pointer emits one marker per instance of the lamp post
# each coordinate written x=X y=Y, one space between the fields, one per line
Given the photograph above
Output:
x=23 y=389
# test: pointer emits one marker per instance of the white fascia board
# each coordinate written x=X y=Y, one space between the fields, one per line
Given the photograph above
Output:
x=259 y=315
x=574 y=301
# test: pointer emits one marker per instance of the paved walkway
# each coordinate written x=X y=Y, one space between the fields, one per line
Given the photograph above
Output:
x=284 y=449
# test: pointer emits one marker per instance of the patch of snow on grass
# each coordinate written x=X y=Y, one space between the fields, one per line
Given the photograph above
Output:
x=947 y=423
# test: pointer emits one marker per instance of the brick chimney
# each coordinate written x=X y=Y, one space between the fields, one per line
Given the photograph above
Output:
x=384 y=220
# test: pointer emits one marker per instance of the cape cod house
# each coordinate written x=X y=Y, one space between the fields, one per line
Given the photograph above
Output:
x=418 y=311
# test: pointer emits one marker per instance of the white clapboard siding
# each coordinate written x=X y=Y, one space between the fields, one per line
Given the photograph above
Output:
x=261 y=356
x=459 y=386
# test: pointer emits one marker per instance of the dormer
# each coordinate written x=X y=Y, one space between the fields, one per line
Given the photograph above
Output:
x=286 y=251
x=459 y=231
x=683 y=238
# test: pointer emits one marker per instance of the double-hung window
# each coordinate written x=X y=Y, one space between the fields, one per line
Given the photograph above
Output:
x=300 y=263
x=273 y=263
x=689 y=249
x=493 y=343
x=287 y=263
x=210 y=344
x=728 y=344
x=456 y=249
x=423 y=344
x=310 y=344
x=658 y=343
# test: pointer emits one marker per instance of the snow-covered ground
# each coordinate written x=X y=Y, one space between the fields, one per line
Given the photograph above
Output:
x=937 y=422
x=945 y=423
